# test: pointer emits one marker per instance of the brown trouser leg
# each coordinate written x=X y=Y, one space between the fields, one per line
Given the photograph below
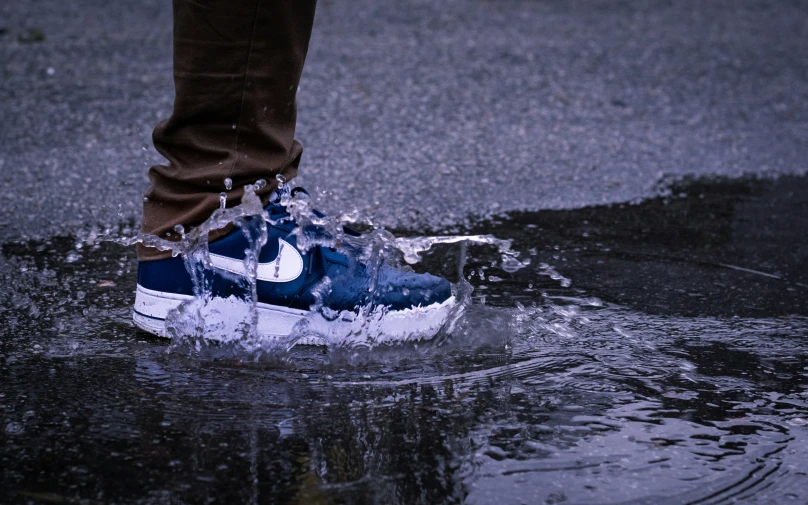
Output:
x=237 y=65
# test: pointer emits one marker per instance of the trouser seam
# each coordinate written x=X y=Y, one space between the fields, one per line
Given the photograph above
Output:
x=244 y=90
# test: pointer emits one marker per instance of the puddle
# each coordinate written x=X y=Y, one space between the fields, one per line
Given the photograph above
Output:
x=720 y=248
x=673 y=368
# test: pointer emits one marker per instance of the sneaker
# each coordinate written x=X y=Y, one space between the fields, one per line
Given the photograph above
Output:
x=291 y=283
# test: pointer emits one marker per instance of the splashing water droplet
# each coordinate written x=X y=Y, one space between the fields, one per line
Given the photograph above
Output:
x=234 y=127
x=549 y=271
x=145 y=199
x=228 y=184
x=374 y=249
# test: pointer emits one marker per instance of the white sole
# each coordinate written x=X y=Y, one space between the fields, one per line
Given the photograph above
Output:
x=152 y=307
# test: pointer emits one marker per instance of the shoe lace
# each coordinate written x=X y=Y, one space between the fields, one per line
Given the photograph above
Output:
x=278 y=211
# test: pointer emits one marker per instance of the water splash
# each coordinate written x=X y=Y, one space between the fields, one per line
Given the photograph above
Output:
x=550 y=272
x=235 y=320
x=379 y=241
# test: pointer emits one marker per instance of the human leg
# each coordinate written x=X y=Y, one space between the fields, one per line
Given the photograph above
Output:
x=237 y=65
x=236 y=70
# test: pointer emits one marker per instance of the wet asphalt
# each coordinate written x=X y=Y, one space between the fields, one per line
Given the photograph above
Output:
x=647 y=157
x=650 y=353
x=421 y=114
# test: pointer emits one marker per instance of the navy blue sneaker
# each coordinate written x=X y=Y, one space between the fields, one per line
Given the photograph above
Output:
x=292 y=283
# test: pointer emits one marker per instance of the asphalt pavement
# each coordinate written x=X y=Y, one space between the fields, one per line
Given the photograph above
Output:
x=647 y=156
x=422 y=114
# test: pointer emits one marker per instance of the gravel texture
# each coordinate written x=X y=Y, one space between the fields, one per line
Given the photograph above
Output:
x=421 y=113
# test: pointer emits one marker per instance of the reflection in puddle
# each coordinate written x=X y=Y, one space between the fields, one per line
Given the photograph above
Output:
x=660 y=375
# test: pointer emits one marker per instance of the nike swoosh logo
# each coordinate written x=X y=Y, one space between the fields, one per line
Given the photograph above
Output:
x=286 y=267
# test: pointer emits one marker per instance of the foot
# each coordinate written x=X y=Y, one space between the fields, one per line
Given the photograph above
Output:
x=291 y=282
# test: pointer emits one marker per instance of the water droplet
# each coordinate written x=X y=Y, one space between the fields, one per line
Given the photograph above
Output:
x=14 y=428
x=222 y=200
x=260 y=184
x=144 y=147
x=281 y=180
x=228 y=184
x=234 y=127
x=51 y=71
x=179 y=229
x=145 y=199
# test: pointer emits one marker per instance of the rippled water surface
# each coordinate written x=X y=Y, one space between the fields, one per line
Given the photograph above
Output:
x=652 y=353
